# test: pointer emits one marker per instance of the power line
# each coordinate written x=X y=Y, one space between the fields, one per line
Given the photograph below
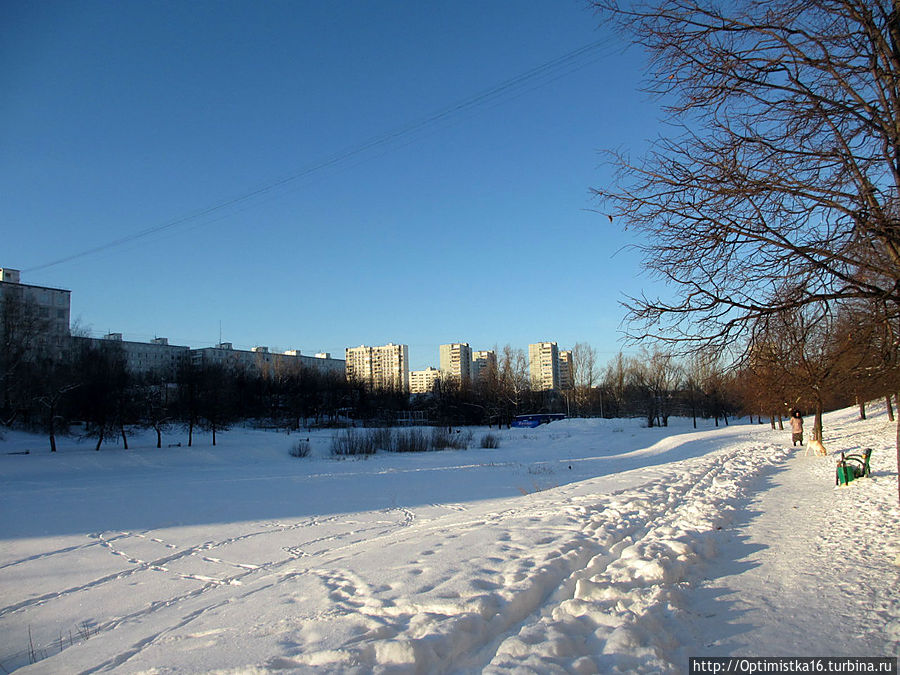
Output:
x=537 y=77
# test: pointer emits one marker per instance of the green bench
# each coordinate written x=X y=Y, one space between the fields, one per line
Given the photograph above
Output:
x=851 y=467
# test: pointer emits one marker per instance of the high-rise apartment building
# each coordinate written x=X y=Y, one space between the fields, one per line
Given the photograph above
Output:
x=456 y=361
x=46 y=312
x=543 y=364
x=483 y=363
x=566 y=370
x=384 y=367
x=42 y=311
x=424 y=381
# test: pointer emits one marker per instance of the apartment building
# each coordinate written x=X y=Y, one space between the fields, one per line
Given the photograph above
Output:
x=484 y=362
x=45 y=310
x=267 y=362
x=156 y=359
x=566 y=370
x=159 y=359
x=383 y=367
x=424 y=381
x=456 y=362
x=543 y=364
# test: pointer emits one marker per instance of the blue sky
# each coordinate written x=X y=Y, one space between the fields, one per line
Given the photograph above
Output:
x=119 y=118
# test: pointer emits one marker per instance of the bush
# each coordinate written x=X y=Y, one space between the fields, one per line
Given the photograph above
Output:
x=381 y=439
x=350 y=442
x=411 y=440
x=490 y=441
x=441 y=439
x=464 y=440
x=300 y=448
x=353 y=442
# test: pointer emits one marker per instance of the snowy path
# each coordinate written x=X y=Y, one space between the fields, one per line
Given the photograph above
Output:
x=802 y=577
x=629 y=572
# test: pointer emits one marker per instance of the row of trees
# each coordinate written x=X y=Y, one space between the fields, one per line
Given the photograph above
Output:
x=772 y=208
x=805 y=361
x=47 y=385
x=89 y=383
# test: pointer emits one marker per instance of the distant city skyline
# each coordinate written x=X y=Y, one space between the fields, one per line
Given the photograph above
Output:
x=458 y=360
x=310 y=176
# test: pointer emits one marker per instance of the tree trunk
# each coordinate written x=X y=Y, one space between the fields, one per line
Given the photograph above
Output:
x=817 y=424
x=99 y=440
x=158 y=438
x=772 y=421
x=862 y=408
x=780 y=423
x=124 y=437
x=52 y=429
x=214 y=435
x=890 y=408
x=190 y=433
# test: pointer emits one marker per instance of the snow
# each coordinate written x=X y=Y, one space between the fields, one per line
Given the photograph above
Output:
x=581 y=546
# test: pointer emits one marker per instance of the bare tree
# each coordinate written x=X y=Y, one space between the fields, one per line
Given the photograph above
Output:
x=22 y=344
x=761 y=384
x=104 y=395
x=584 y=375
x=615 y=382
x=814 y=354
x=704 y=383
x=655 y=376
x=784 y=164
x=514 y=382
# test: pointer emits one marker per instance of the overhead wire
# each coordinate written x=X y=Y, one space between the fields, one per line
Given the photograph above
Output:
x=529 y=80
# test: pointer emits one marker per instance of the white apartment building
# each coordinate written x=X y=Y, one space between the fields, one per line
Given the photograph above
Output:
x=156 y=358
x=483 y=363
x=384 y=367
x=269 y=363
x=159 y=359
x=424 y=381
x=47 y=309
x=543 y=364
x=456 y=362
x=566 y=370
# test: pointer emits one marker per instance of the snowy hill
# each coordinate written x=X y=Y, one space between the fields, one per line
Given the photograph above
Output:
x=581 y=546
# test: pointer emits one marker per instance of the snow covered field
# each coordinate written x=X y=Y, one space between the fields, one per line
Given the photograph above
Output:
x=582 y=546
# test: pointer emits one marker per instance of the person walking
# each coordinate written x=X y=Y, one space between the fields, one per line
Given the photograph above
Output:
x=796 y=428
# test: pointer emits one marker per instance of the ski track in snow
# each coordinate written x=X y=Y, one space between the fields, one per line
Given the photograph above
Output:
x=574 y=579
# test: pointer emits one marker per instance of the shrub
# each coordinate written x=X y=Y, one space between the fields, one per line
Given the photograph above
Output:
x=300 y=448
x=381 y=439
x=490 y=441
x=441 y=439
x=350 y=442
x=464 y=440
x=411 y=440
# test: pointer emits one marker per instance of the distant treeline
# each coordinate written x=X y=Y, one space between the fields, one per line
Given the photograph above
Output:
x=48 y=390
